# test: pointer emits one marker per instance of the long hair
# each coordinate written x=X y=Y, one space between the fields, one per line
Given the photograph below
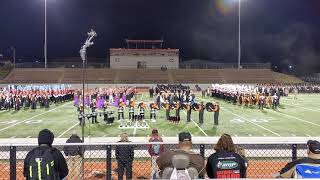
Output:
x=225 y=143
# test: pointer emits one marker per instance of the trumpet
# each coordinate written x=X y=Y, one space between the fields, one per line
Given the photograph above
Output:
x=186 y=106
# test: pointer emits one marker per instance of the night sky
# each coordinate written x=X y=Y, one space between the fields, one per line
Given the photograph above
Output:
x=284 y=32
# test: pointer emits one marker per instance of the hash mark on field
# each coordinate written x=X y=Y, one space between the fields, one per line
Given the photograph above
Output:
x=68 y=129
x=28 y=137
x=32 y=117
x=235 y=135
x=249 y=135
x=293 y=135
x=13 y=137
x=264 y=135
x=251 y=122
x=308 y=135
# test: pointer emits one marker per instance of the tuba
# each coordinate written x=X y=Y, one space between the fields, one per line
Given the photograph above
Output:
x=165 y=106
x=132 y=103
x=186 y=106
x=210 y=107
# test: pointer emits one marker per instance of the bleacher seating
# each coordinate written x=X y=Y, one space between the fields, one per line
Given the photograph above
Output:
x=148 y=76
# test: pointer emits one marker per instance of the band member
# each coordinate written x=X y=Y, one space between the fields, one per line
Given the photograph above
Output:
x=142 y=107
x=275 y=101
x=261 y=101
x=120 y=110
x=200 y=108
x=17 y=103
x=166 y=106
x=177 y=108
x=188 y=112
x=46 y=102
x=33 y=102
x=153 y=112
x=216 y=113
x=131 y=109
x=80 y=116
x=94 y=112
x=105 y=110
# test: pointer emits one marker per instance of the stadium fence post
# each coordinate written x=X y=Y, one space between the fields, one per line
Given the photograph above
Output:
x=13 y=160
x=202 y=147
x=294 y=152
x=108 y=162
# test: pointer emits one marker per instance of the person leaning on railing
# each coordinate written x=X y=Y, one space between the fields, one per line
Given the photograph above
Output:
x=226 y=163
x=308 y=167
x=124 y=155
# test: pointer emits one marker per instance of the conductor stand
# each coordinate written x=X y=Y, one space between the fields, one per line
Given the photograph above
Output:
x=83 y=55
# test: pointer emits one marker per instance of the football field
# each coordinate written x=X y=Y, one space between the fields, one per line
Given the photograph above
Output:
x=293 y=118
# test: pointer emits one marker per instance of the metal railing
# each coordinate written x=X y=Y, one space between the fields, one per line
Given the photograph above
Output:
x=225 y=66
x=100 y=160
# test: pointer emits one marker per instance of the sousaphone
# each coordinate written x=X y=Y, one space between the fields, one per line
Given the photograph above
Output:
x=210 y=107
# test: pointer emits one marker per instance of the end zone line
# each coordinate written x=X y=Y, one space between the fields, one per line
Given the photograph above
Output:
x=197 y=125
x=33 y=117
x=251 y=122
x=68 y=129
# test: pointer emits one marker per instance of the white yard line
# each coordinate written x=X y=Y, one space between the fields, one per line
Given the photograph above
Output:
x=68 y=129
x=28 y=137
x=135 y=128
x=33 y=117
x=13 y=137
x=308 y=135
x=251 y=122
x=295 y=118
x=197 y=125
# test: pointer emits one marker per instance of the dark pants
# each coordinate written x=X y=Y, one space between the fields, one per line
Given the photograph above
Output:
x=94 y=119
x=120 y=115
x=189 y=116
x=167 y=114
x=201 y=117
x=131 y=115
x=216 y=116
x=124 y=165
x=153 y=115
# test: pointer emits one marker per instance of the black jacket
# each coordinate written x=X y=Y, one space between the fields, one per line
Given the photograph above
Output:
x=124 y=152
x=59 y=162
x=223 y=164
x=73 y=150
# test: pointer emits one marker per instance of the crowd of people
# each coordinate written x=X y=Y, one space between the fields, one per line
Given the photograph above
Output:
x=15 y=97
x=227 y=161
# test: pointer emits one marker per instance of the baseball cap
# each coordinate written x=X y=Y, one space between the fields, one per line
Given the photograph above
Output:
x=184 y=136
x=314 y=146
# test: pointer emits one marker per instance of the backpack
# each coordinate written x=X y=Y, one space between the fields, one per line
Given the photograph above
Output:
x=155 y=148
x=41 y=165
x=180 y=174
x=307 y=171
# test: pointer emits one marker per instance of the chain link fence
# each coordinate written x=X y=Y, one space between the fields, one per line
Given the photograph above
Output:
x=101 y=162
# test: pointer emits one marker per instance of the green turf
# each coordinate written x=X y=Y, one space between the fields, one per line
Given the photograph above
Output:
x=294 y=118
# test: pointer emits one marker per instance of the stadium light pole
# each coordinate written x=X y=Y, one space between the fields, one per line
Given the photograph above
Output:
x=239 y=37
x=45 y=33
x=83 y=55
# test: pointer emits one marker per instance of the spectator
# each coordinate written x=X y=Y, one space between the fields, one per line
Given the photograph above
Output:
x=74 y=154
x=124 y=155
x=155 y=150
x=45 y=161
x=308 y=167
x=225 y=162
x=185 y=146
